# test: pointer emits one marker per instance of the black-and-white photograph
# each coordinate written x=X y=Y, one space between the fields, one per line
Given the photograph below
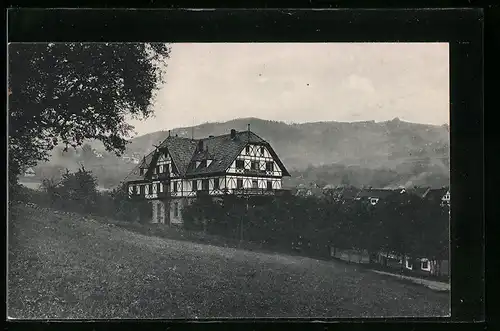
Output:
x=228 y=180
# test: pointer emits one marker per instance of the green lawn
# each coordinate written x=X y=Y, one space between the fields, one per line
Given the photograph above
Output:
x=63 y=267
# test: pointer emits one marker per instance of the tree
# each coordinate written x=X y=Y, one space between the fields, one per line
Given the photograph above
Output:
x=71 y=92
x=79 y=190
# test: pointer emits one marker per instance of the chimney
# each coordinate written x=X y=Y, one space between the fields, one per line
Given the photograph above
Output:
x=233 y=133
x=200 y=145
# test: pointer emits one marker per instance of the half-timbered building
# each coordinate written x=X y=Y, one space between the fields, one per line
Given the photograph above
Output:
x=181 y=169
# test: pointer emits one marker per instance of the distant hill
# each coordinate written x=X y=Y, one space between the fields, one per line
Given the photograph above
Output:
x=412 y=153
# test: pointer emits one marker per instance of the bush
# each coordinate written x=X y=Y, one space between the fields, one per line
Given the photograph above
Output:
x=404 y=224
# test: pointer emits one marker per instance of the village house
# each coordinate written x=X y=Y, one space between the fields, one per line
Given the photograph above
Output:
x=181 y=169
x=29 y=172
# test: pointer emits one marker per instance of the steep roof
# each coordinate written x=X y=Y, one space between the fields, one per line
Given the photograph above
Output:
x=181 y=150
x=135 y=174
x=221 y=150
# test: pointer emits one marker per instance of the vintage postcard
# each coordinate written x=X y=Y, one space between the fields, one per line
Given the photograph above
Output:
x=226 y=180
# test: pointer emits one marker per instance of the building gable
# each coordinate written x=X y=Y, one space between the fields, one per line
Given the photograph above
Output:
x=222 y=151
x=207 y=156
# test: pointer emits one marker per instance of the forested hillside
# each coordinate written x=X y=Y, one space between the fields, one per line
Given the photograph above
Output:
x=378 y=154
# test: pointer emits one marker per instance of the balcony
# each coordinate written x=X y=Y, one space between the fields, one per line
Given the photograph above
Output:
x=254 y=172
x=261 y=191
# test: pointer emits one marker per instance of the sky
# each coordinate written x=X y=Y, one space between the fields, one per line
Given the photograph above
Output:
x=302 y=82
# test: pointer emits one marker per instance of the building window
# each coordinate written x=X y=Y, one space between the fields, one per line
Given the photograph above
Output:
x=247 y=150
x=239 y=183
x=203 y=164
x=158 y=170
x=176 y=209
x=150 y=188
x=137 y=189
x=261 y=151
x=141 y=171
x=216 y=183
x=204 y=185
x=194 y=185
x=143 y=189
x=255 y=184
x=175 y=186
x=158 y=188
x=409 y=265
x=269 y=185
x=254 y=166
x=270 y=166
x=424 y=265
x=240 y=164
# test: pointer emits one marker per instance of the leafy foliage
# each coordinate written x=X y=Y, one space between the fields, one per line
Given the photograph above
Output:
x=386 y=153
x=404 y=224
x=71 y=92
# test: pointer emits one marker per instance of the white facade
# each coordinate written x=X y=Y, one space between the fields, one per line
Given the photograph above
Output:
x=253 y=171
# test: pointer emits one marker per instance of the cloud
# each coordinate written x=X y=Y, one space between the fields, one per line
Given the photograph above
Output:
x=359 y=83
x=302 y=83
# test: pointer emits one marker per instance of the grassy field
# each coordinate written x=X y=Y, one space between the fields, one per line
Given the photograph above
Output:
x=69 y=267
